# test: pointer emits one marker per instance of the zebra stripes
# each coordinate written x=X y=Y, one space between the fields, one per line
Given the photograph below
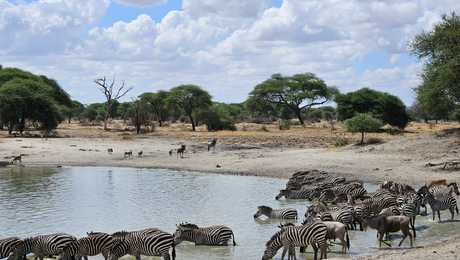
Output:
x=45 y=245
x=314 y=234
x=287 y=213
x=274 y=244
x=148 y=242
x=94 y=244
x=12 y=248
x=211 y=236
x=441 y=203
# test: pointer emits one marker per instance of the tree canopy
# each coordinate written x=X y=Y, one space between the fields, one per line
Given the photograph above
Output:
x=363 y=123
x=189 y=99
x=298 y=93
x=383 y=106
x=440 y=50
x=158 y=104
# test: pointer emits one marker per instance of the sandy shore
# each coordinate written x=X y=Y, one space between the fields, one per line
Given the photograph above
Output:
x=401 y=159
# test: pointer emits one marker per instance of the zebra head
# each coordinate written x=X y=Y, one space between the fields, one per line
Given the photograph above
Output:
x=454 y=188
x=263 y=210
x=120 y=247
x=273 y=245
x=283 y=193
x=183 y=232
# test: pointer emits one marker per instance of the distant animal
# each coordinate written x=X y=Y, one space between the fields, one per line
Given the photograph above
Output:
x=128 y=155
x=171 y=152
x=211 y=236
x=110 y=150
x=437 y=183
x=384 y=224
x=287 y=213
x=181 y=151
x=46 y=245
x=212 y=144
x=140 y=154
x=149 y=242
x=17 y=159
x=12 y=248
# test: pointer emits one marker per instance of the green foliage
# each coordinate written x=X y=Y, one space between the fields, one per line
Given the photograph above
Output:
x=299 y=93
x=363 y=123
x=456 y=115
x=189 y=99
x=433 y=100
x=339 y=142
x=157 y=103
x=440 y=49
x=388 y=108
x=140 y=114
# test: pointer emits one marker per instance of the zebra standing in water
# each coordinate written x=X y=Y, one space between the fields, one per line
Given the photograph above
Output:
x=94 y=244
x=275 y=244
x=12 y=248
x=276 y=213
x=45 y=245
x=149 y=242
x=314 y=234
x=210 y=236
x=438 y=204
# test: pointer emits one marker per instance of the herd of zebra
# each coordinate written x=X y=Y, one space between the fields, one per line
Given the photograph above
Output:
x=338 y=205
x=147 y=242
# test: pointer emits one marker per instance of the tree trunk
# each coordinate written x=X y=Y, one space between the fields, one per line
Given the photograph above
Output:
x=362 y=138
x=193 y=122
x=160 y=122
x=70 y=119
x=107 y=115
x=298 y=113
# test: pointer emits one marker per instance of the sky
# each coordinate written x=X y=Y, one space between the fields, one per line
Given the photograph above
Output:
x=225 y=46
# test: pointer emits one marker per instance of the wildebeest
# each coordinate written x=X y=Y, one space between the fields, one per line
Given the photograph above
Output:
x=181 y=151
x=389 y=224
x=128 y=155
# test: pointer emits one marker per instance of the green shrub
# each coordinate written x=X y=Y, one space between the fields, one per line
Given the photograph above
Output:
x=340 y=142
x=363 y=123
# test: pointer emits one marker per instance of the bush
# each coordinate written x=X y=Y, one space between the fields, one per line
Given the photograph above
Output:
x=456 y=115
x=340 y=142
x=363 y=123
x=216 y=122
x=285 y=124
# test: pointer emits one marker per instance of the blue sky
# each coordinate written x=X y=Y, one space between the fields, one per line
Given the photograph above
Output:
x=225 y=46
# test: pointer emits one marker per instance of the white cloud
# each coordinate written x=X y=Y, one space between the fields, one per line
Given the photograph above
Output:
x=226 y=45
x=142 y=2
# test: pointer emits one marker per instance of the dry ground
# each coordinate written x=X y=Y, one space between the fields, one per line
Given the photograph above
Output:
x=260 y=150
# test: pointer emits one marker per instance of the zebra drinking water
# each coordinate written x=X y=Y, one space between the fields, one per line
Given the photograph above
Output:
x=210 y=236
x=275 y=244
x=149 y=242
x=287 y=213
x=45 y=245
x=12 y=248
x=94 y=244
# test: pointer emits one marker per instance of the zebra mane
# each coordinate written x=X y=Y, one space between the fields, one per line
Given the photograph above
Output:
x=188 y=225
x=94 y=233
x=122 y=233
x=265 y=208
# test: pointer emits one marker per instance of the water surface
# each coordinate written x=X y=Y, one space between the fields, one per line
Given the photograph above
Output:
x=76 y=200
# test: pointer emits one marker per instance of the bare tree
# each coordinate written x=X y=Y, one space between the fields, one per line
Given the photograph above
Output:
x=111 y=94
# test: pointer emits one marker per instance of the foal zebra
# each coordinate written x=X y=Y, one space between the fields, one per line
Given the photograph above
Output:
x=210 y=236
x=149 y=242
x=12 y=248
x=94 y=244
x=287 y=213
x=45 y=245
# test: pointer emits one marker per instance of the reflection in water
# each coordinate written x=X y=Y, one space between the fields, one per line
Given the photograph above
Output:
x=81 y=199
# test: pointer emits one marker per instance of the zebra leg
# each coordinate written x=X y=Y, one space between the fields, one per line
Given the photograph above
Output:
x=315 y=251
x=138 y=257
x=452 y=213
x=283 y=254
x=439 y=215
x=412 y=222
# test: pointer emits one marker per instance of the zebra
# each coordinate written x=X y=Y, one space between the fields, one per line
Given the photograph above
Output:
x=274 y=244
x=12 y=248
x=375 y=205
x=314 y=234
x=438 y=190
x=441 y=203
x=45 y=245
x=210 y=236
x=287 y=213
x=149 y=242
x=306 y=194
x=410 y=209
x=94 y=244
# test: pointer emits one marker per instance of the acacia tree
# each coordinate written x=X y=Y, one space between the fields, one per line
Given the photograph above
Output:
x=440 y=50
x=139 y=114
x=189 y=99
x=363 y=123
x=298 y=93
x=158 y=104
x=111 y=93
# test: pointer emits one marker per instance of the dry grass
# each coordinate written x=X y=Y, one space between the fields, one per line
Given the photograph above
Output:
x=268 y=135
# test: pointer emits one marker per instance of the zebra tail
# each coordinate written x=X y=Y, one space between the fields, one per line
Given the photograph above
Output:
x=348 y=239
x=233 y=237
